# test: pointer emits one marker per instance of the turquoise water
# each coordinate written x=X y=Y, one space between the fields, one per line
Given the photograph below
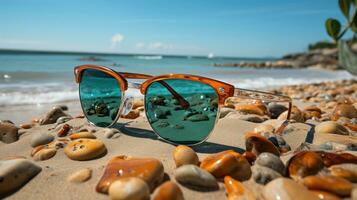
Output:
x=47 y=78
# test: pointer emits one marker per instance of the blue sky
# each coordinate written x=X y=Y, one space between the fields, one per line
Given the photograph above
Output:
x=244 y=28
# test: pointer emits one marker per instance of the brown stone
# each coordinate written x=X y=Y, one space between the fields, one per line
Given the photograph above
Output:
x=258 y=144
x=63 y=131
x=347 y=171
x=227 y=163
x=52 y=116
x=184 y=155
x=168 y=191
x=344 y=110
x=304 y=163
x=322 y=195
x=257 y=109
x=26 y=126
x=8 y=132
x=296 y=115
x=44 y=154
x=84 y=134
x=236 y=190
x=85 y=149
x=330 y=158
x=149 y=169
x=333 y=184
x=133 y=114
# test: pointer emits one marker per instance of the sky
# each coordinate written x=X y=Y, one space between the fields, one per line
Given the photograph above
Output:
x=239 y=28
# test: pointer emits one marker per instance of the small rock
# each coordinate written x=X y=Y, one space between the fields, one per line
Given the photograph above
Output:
x=63 y=119
x=227 y=163
x=79 y=135
x=344 y=110
x=236 y=190
x=44 y=154
x=184 y=155
x=63 y=131
x=322 y=195
x=62 y=107
x=286 y=189
x=148 y=169
x=347 y=171
x=198 y=117
x=133 y=114
x=195 y=176
x=26 y=126
x=15 y=173
x=41 y=138
x=138 y=103
x=333 y=184
x=271 y=161
x=130 y=188
x=257 y=109
x=110 y=132
x=303 y=164
x=52 y=116
x=85 y=149
x=331 y=127
x=296 y=115
x=276 y=110
x=168 y=191
x=225 y=111
x=80 y=176
x=258 y=144
x=264 y=175
x=264 y=129
x=8 y=132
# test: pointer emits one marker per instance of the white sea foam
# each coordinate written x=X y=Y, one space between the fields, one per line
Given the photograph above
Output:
x=149 y=57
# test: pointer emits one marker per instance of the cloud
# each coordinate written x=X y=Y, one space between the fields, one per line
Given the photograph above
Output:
x=117 y=39
x=140 y=45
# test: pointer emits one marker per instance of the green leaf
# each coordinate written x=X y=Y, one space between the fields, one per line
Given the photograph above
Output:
x=345 y=6
x=333 y=28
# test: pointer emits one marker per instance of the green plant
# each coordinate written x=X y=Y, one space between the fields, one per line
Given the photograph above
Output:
x=333 y=26
x=347 y=58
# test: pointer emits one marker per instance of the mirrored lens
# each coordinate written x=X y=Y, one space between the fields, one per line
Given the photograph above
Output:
x=177 y=123
x=100 y=97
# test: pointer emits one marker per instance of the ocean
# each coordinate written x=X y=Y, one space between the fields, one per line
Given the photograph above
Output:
x=28 y=78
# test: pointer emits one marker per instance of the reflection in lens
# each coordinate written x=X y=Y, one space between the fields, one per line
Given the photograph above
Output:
x=176 y=124
x=100 y=96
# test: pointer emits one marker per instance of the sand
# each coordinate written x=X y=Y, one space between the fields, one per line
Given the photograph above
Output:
x=136 y=139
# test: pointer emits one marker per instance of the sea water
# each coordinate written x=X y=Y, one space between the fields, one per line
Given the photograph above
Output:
x=33 y=78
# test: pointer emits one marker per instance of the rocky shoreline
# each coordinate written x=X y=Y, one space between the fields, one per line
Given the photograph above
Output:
x=59 y=156
x=319 y=58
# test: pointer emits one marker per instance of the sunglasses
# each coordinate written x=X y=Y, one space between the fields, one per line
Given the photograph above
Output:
x=181 y=109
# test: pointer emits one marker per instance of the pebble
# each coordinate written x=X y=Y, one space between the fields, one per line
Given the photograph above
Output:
x=195 y=176
x=225 y=111
x=85 y=149
x=331 y=127
x=227 y=163
x=344 y=110
x=150 y=170
x=133 y=114
x=63 y=119
x=330 y=158
x=138 y=103
x=265 y=129
x=26 y=126
x=168 y=191
x=184 y=155
x=110 y=132
x=8 y=132
x=79 y=135
x=80 y=176
x=247 y=117
x=41 y=138
x=264 y=175
x=63 y=131
x=15 y=173
x=347 y=171
x=197 y=118
x=296 y=115
x=44 y=154
x=271 y=161
x=52 y=116
x=276 y=109
x=257 y=109
x=236 y=190
x=286 y=189
x=322 y=195
x=62 y=107
x=303 y=164
x=258 y=144
x=130 y=188
x=333 y=184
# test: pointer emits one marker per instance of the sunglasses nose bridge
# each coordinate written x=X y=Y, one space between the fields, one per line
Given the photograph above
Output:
x=127 y=105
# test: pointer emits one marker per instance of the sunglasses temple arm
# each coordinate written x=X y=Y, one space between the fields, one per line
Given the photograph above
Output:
x=178 y=97
x=266 y=96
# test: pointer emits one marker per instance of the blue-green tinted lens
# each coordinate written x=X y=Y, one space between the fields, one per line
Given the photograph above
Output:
x=181 y=125
x=100 y=97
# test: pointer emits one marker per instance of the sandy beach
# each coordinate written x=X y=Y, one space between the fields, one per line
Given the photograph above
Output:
x=135 y=138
